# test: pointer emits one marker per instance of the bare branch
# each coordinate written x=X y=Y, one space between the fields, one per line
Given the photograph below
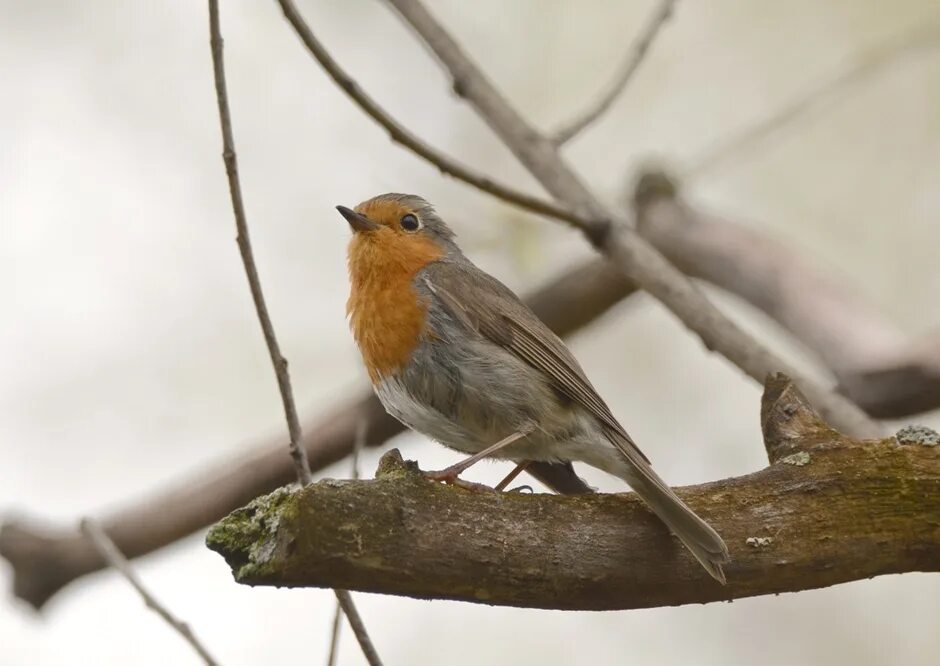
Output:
x=401 y=135
x=638 y=50
x=863 y=68
x=829 y=510
x=110 y=553
x=358 y=627
x=876 y=365
x=44 y=559
x=637 y=260
x=297 y=452
x=334 y=635
x=905 y=385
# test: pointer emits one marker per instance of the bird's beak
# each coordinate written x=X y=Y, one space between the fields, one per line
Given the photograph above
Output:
x=356 y=221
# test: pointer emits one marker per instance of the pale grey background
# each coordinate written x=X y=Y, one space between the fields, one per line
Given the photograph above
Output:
x=131 y=354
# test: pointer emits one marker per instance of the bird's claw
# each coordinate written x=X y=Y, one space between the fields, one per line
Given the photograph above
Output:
x=452 y=477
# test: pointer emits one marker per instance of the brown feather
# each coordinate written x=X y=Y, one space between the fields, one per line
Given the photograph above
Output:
x=489 y=307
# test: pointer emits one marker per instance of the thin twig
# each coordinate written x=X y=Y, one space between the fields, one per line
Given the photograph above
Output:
x=403 y=136
x=864 y=67
x=638 y=50
x=359 y=628
x=110 y=553
x=359 y=442
x=298 y=453
x=334 y=635
x=244 y=247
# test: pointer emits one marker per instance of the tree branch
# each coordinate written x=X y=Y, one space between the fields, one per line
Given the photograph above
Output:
x=638 y=50
x=45 y=559
x=905 y=385
x=297 y=451
x=834 y=510
x=640 y=262
x=116 y=559
x=876 y=365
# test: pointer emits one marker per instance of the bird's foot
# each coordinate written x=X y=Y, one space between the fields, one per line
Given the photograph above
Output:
x=451 y=476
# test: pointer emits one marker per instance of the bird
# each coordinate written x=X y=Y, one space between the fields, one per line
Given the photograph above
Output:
x=455 y=355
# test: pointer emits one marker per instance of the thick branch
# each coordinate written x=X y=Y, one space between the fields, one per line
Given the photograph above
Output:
x=44 y=559
x=834 y=511
x=875 y=364
x=639 y=261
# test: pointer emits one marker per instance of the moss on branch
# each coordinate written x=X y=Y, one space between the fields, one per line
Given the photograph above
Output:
x=858 y=509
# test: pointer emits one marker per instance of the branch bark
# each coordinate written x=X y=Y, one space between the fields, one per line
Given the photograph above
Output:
x=45 y=559
x=831 y=510
x=610 y=234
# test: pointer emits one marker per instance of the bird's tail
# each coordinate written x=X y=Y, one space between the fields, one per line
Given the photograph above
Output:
x=697 y=535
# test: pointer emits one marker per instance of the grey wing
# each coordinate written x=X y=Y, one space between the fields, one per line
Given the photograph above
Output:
x=486 y=305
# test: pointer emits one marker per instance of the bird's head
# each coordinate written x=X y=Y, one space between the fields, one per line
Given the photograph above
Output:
x=393 y=234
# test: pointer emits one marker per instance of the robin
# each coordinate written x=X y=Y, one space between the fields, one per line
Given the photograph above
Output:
x=455 y=355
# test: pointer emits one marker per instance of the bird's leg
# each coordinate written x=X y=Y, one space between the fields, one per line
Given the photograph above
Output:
x=519 y=469
x=451 y=474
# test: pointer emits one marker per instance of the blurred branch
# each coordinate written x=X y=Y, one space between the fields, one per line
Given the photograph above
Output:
x=828 y=510
x=401 y=135
x=297 y=451
x=608 y=232
x=906 y=385
x=638 y=50
x=113 y=557
x=44 y=560
x=864 y=67
x=875 y=364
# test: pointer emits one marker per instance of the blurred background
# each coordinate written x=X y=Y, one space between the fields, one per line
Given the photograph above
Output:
x=131 y=355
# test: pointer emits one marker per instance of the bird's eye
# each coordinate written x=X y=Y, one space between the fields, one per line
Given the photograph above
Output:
x=410 y=222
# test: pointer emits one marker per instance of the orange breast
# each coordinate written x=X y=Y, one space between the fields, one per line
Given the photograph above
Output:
x=386 y=315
